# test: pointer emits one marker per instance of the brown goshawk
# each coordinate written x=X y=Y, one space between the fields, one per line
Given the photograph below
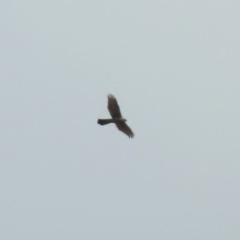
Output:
x=117 y=118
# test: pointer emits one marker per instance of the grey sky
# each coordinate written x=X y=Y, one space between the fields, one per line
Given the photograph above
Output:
x=174 y=68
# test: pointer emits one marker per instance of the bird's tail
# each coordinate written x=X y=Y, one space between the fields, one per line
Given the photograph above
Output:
x=104 y=121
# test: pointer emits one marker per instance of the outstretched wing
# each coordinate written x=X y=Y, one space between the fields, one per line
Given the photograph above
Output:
x=113 y=107
x=123 y=127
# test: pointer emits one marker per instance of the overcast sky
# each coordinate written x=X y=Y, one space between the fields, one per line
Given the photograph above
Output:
x=174 y=69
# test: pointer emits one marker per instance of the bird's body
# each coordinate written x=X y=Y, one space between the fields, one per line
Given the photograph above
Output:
x=111 y=120
x=117 y=118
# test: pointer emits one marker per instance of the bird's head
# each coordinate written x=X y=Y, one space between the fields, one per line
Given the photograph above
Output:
x=124 y=119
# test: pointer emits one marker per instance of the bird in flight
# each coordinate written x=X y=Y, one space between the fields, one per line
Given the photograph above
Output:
x=117 y=118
